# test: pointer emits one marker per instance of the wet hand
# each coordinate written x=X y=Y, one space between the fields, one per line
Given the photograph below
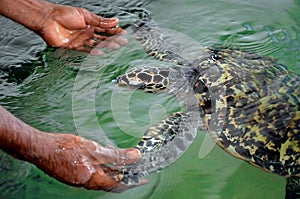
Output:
x=77 y=28
x=80 y=162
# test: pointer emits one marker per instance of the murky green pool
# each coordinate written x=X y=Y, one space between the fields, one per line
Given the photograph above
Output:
x=38 y=84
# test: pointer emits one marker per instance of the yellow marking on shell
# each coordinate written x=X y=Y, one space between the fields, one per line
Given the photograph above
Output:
x=226 y=76
x=161 y=56
x=272 y=168
x=238 y=93
x=231 y=150
x=207 y=119
x=231 y=111
x=270 y=145
x=282 y=90
x=201 y=103
x=289 y=145
x=293 y=123
x=200 y=99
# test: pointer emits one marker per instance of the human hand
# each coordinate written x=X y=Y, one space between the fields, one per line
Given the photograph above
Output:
x=77 y=28
x=80 y=162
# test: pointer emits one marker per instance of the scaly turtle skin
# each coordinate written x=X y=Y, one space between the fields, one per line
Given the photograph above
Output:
x=249 y=104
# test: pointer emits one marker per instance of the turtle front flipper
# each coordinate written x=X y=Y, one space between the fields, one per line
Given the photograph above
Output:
x=157 y=43
x=293 y=188
x=161 y=145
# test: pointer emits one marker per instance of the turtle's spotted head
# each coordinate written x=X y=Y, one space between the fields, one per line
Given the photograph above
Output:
x=148 y=79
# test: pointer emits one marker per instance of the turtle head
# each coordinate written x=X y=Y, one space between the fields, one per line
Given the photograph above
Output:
x=148 y=79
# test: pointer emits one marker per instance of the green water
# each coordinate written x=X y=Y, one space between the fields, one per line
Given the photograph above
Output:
x=66 y=89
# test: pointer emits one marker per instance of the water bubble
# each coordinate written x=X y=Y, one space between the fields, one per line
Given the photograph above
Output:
x=280 y=36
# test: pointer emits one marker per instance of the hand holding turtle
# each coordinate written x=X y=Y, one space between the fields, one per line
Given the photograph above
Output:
x=80 y=162
x=68 y=158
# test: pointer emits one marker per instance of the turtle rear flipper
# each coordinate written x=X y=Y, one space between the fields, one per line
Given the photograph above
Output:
x=157 y=44
x=166 y=44
x=161 y=145
x=292 y=188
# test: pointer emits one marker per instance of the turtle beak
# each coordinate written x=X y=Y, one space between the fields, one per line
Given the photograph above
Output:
x=119 y=81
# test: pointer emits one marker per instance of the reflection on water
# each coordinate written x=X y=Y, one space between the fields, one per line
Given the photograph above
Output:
x=36 y=84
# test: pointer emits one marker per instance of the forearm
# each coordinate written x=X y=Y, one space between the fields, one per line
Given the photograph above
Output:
x=30 y=13
x=17 y=138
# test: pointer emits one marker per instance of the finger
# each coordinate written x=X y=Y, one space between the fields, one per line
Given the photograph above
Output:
x=113 y=43
x=83 y=49
x=96 y=52
x=108 y=180
x=105 y=23
x=91 y=43
x=124 y=156
x=117 y=156
x=122 y=187
x=120 y=40
x=112 y=31
x=110 y=45
x=95 y=20
x=119 y=185
x=112 y=156
x=100 y=37
x=81 y=40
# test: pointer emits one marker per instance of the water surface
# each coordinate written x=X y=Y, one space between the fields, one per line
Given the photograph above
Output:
x=37 y=84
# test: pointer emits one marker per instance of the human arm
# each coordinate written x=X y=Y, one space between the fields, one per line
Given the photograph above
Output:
x=68 y=158
x=62 y=26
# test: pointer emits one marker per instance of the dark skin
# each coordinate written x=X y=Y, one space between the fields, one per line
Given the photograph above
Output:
x=84 y=33
x=68 y=158
x=64 y=26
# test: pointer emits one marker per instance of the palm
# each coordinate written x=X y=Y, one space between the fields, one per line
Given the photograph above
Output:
x=76 y=28
x=78 y=162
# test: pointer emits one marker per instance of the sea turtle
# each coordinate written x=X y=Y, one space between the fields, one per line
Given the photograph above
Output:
x=249 y=104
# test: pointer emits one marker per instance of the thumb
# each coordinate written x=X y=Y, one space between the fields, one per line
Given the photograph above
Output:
x=123 y=156
x=116 y=155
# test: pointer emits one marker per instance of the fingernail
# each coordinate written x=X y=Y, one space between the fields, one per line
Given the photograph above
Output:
x=133 y=154
x=96 y=52
x=115 y=19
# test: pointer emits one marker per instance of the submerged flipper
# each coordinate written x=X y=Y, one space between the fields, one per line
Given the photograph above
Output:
x=156 y=43
x=293 y=188
x=161 y=145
